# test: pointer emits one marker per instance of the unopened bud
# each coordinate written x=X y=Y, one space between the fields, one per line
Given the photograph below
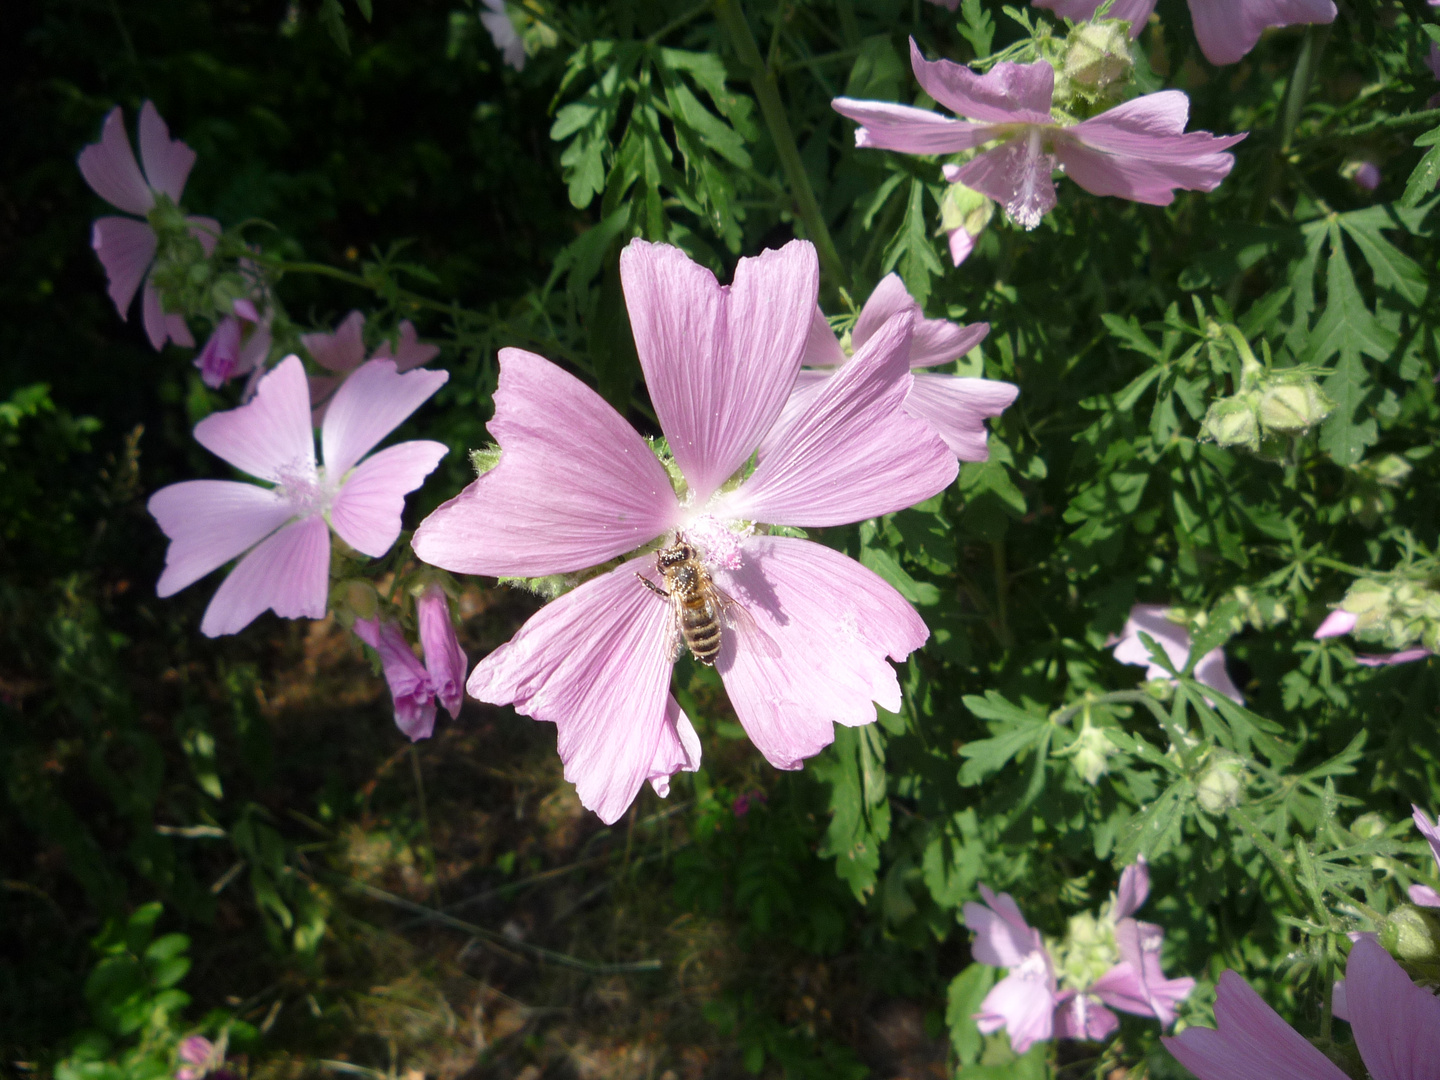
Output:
x=1412 y=934
x=354 y=599
x=1220 y=785
x=1091 y=753
x=1368 y=826
x=1231 y=421
x=482 y=461
x=1097 y=55
x=1291 y=405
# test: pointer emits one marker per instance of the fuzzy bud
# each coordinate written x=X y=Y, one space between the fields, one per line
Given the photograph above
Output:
x=1091 y=753
x=1088 y=951
x=1097 y=58
x=1292 y=404
x=1221 y=785
x=964 y=214
x=1232 y=421
x=1412 y=934
x=482 y=461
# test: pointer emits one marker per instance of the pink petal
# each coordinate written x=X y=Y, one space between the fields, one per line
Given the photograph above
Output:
x=932 y=341
x=1083 y=1017
x=210 y=522
x=1424 y=896
x=955 y=407
x=596 y=663
x=1395 y=1022
x=1340 y=1001
x=1251 y=1042
x=374 y=401
x=196 y=1050
x=677 y=751
x=109 y=168
x=821 y=348
x=255 y=350
x=410 y=353
x=1002 y=936
x=1404 y=656
x=206 y=230
x=271 y=436
x=1428 y=829
x=366 y=511
x=1023 y=1004
x=1006 y=94
x=1017 y=175
x=408 y=681
x=812 y=651
x=1337 y=623
x=575 y=484
x=444 y=658
x=719 y=362
x=1170 y=636
x=855 y=453
x=1210 y=671
x=1139 y=944
x=167 y=161
x=808 y=384
x=1135 y=12
x=126 y=248
x=886 y=126
x=961 y=245
x=1228 y=29
x=161 y=326
x=1134 y=889
x=341 y=351
x=288 y=573
x=221 y=353
x=322 y=388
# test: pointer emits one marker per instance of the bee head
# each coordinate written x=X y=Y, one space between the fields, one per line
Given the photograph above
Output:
x=676 y=554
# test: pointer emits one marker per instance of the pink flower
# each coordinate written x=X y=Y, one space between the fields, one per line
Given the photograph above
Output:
x=1367 y=175
x=952 y=407
x=576 y=486
x=210 y=522
x=201 y=1058
x=1226 y=29
x=1340 y=622
x=344 y=350
x=1137 y=151
x=232 y=349
x=1395 y=1022
x=414 y=687
x=1172 y=637
x=126 y=247
x=1023 y=1003
x=1424 y=895
x=503 y=33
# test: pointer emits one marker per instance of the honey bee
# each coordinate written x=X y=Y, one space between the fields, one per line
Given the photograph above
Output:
x=699 y=605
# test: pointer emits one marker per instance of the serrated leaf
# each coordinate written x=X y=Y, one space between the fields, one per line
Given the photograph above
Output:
x=1393 y=269
x=1128 y=332
x=1425 y=175
x=912 y=250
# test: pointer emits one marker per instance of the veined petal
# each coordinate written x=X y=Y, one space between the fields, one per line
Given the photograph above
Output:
x=444 y=658
x=854 y=453
x=366 y=510
x=1151 y=994
x=1210 y=671
x=167 y=161
x=1423 y=896
x=808 y=384
x=1135 y=12
x=1396 y=1023
x=1404 y=656
x=1002 y=936
x=575 y=484
x=677 y=751
x=1017 y=175
x=342 y=351
x=1250 y=1042
x=596 y=664
x=1134 y=889
x=887 y=126
x=1023 y=1003
x=410 y=689
x=221 y=353
x=719 y=362
x=1228 y=29
x=1142 y=180
x=109 y=168
x=1170 y=636
x=961 y=245
x=955 y=407
x=270 y=437
x=160 y=325
x=932 y=341
x=210 y=522
x=126 y=248
x=1006 y=94
x=812 y=650
x=1082 y=1016
x=1150 y=127
x=289 y=573
x=1428 y=829
x=821 y=348
x=374 y=401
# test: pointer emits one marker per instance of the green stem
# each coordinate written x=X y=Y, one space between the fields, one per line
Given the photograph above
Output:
x=742 y=40
x=1306 y=64
x=1424 y=118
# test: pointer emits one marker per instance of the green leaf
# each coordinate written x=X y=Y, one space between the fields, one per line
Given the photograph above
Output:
x=1016 y=732
x=976 y=27
x=912 y=249
x=1393 y=269
x=888 y=567
x=878 y=71
x=1426 y=173
x=962 y=1001
x=332 y=16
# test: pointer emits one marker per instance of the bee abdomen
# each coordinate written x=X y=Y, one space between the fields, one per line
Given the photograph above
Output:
x=702 y=633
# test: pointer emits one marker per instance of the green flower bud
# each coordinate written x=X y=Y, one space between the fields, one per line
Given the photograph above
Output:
x=1221 y=784
x=1090 y=753
x=1368 y=826
x=1231 y=421
x=352 y=599
x=1088 y=951
x=483 y=460
x=1097 y=55
x=1291 y=404
x=1412 y=934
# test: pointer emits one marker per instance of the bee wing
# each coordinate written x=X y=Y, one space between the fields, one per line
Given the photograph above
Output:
x=741 y=621
x=677 y=633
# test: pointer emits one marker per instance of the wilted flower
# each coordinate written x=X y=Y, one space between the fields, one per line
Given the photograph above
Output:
x=1154 y=620
x=1226 y=29
x=952 y=406
x=1395 y=1022
x=238 y=345
x=503 y=33
x=344 y=351
x=1137 y=151
x=127 y=247
x=577 y=486
x=414 y=687
x=283 y=528
x=1112 y=960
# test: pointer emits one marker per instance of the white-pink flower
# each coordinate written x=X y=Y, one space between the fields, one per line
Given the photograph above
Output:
x=952 y=406
x=415 y=687
x=1395 y=1022
x=126 y=247
x=284 y=527
x=1173 y=638
x=1341 y=622
x=1424 y=895
x=1226 y=29
x=237 y=346
x=576 y=486
x=503 y=33
x=344 y=351
x=1138 y=151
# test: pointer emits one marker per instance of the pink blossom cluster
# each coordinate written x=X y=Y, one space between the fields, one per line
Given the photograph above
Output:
x=342 y=351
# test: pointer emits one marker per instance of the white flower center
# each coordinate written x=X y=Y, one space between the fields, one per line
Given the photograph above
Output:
x=304 y=487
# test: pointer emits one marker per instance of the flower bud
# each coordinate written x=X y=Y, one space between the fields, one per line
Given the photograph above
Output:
x=354 y=599
x=1088 y=951
x=482 y=461
x=1412 y=934
x=1091 y=753
x=964 y=213
x=1292 y=404
x=1097 y=58
x=1221 y=785
x=1231 y=421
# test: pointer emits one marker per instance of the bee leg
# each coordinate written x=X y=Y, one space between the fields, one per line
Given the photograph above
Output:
x=651 y=585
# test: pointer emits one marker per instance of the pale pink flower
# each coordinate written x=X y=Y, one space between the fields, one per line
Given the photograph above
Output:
x=1395 y=1022
x=126 y=247
x=503 y=33
x=201 y=1057
x=1173 y=638
x=1367 y=175
x=1024 y=1002
x=415 y=687
x=1226 y=29
x=238 y=345
x=952 y=406
x=1424 y=895
x=1138 y=151
x=444 y=658
x=1341 y=622
x=283 y=527
x=344 y=351
x=576 y=486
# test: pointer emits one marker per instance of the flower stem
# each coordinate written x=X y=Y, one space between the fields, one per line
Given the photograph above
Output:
x=1306 y=64
x=742 y=40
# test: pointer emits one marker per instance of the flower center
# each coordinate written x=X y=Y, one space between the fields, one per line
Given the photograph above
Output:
x=719 y=541
x=303 y=486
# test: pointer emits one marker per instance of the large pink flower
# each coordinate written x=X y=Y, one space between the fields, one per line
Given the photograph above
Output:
x=344 y=351
x=1226 y=29
x=952 y=406
x=1173 y=638
x=576 y=486
x=1396 y=1025
x=126 y=247
x=210 y=522
x=1138 y=151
